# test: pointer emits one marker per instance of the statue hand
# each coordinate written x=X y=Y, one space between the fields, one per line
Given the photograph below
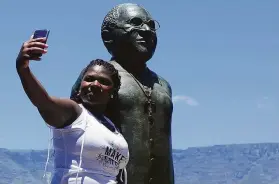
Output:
x=31 y=50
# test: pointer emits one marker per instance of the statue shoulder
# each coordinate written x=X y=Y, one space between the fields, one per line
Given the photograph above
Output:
x=122 y=72
x=116 y=65
x=164 y=83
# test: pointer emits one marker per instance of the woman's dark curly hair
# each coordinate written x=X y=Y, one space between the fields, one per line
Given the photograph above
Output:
x=110 y=68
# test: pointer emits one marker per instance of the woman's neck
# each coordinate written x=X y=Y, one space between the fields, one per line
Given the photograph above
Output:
x=96 y=110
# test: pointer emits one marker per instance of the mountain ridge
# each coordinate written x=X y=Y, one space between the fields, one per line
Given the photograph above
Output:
x=256 y=163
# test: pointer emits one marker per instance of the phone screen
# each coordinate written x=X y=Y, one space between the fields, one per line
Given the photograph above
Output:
x=41 y=33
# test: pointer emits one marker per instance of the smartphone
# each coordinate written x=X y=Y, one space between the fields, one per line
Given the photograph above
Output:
x=41 y=33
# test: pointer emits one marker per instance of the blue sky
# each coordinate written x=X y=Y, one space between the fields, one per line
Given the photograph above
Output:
x=221 y=58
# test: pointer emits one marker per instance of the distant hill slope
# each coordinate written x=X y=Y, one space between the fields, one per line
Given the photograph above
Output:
x=224 y=164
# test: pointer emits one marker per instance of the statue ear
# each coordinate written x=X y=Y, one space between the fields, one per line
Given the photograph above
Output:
x=106 y=36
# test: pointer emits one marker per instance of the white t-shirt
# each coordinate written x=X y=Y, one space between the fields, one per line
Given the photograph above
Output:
x=87 y=152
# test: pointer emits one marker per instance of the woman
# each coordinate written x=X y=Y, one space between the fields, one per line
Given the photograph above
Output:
x=88 y=147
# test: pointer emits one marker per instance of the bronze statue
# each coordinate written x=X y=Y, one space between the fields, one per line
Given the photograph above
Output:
x=143 y=109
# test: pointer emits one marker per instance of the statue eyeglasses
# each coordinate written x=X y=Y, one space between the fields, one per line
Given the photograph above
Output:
x=138 y=23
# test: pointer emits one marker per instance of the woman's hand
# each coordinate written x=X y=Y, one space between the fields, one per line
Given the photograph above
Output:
x=32 y=49
x=56 y=112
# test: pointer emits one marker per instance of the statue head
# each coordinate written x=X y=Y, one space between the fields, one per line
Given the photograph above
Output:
x=129 y=33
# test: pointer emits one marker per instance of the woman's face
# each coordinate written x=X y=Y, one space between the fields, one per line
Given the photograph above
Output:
x=97 y=86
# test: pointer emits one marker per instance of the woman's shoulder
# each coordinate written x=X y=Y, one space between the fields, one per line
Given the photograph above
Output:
x=78 y=123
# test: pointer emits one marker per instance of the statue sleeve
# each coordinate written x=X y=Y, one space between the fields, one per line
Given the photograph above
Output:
x=169 y=89
x=166 y=86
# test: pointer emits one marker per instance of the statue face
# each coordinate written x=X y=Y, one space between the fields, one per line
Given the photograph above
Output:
x=133 y=36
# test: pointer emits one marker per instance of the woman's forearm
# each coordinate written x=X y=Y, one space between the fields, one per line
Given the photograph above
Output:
x=55 y=111
x=33 y=88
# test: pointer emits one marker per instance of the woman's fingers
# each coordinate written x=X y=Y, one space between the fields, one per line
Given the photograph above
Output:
x=34 y=50
x=35 y=58
x=37 y=40
x=37 y=44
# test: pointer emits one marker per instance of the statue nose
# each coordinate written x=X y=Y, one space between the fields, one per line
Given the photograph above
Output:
x=145 y=31
x=146 y=27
